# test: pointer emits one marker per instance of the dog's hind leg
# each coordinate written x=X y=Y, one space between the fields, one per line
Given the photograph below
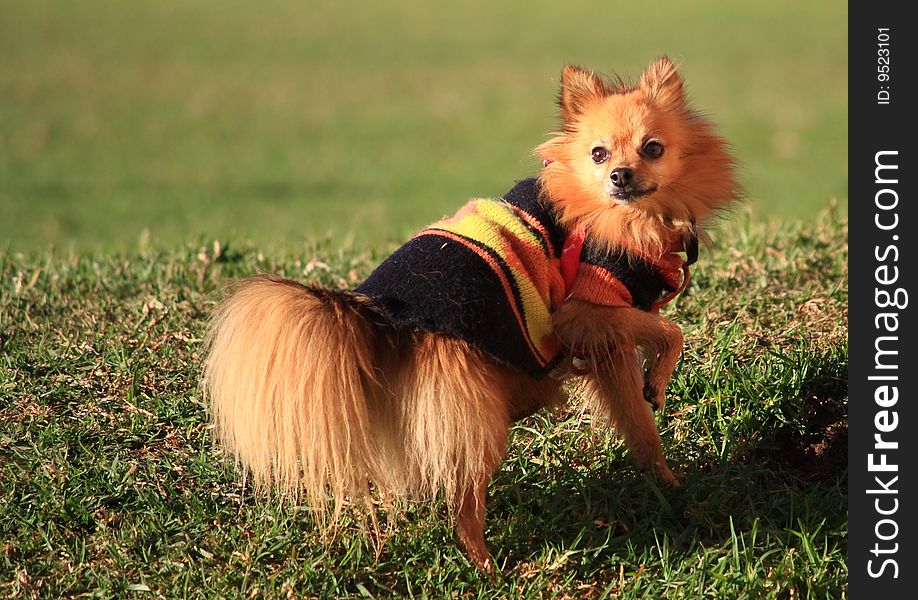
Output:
x=526 y=396
x=471 y=494
x=470 y=518
x=455 y=421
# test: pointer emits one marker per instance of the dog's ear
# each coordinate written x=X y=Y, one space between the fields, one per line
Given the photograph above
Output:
x=578 y=88
x=663 y=84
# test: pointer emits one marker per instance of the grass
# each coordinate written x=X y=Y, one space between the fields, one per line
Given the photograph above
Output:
x=111 y=486
x=165 y=120
x=130 y=129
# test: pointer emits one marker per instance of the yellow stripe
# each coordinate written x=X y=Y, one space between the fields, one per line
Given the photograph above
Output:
x=485 y=221
x=490 y=222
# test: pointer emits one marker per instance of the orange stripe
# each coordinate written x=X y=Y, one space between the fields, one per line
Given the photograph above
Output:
x=598 y=286
x=508 y=290
x=534 y=224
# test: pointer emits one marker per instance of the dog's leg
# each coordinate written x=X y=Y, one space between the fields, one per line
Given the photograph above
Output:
x=609 y=337
x=592 y=329
x=617 y=385
x=455 y=419
x=470 y=525
x=663 y=341
x=526 y=396
x=472 y=496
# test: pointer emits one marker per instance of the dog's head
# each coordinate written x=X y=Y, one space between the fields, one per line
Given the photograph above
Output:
x=634 y=162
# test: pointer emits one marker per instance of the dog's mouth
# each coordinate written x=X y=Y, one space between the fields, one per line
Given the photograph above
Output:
x=630 y=193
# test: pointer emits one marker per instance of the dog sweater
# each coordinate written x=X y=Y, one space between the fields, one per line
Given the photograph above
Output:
x=492 y=275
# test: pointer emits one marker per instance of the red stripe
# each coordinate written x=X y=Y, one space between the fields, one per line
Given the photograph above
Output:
x=570 y=258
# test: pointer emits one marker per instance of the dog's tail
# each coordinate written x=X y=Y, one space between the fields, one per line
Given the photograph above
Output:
x=291 y=382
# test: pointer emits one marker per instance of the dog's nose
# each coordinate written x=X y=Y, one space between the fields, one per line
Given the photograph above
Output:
x=621 y=176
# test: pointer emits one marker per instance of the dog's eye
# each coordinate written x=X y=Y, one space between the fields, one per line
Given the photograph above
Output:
x=652 y=149
x=599 y=155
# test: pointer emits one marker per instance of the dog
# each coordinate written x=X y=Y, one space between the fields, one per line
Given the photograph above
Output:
x=406 y=386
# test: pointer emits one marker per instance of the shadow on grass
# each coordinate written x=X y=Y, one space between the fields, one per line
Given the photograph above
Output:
x=791 y=478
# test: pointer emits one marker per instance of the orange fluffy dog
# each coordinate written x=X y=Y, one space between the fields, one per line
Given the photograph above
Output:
x=406 y=387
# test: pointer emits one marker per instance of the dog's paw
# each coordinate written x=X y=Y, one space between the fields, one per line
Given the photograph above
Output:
x=664 y=475
x=653 y=398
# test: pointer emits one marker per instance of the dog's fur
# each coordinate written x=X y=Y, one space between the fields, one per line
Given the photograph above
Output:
x=313 y=391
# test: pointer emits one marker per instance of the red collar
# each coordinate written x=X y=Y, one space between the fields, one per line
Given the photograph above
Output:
x=573 y=249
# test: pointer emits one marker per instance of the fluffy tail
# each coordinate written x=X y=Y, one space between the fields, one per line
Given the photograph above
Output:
x=291 y=381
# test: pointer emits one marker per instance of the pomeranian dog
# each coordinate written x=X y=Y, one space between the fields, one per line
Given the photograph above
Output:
x=406 y=386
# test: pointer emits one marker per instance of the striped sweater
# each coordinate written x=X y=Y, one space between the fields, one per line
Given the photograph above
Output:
x=491 y=275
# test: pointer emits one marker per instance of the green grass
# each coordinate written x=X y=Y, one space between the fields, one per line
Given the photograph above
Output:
x=111 y=485
x=309 y=139
x=282 y=120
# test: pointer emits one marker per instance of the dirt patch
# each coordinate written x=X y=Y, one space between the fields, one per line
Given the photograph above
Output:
x=815 y=446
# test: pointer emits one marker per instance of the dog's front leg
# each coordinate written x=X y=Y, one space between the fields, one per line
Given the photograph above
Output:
x=662 y=341
x=616 y=386
x=609 y=338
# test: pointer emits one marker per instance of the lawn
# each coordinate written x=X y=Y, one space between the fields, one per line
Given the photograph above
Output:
x=150 y=152
x=162 y=121
x=111 y=483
